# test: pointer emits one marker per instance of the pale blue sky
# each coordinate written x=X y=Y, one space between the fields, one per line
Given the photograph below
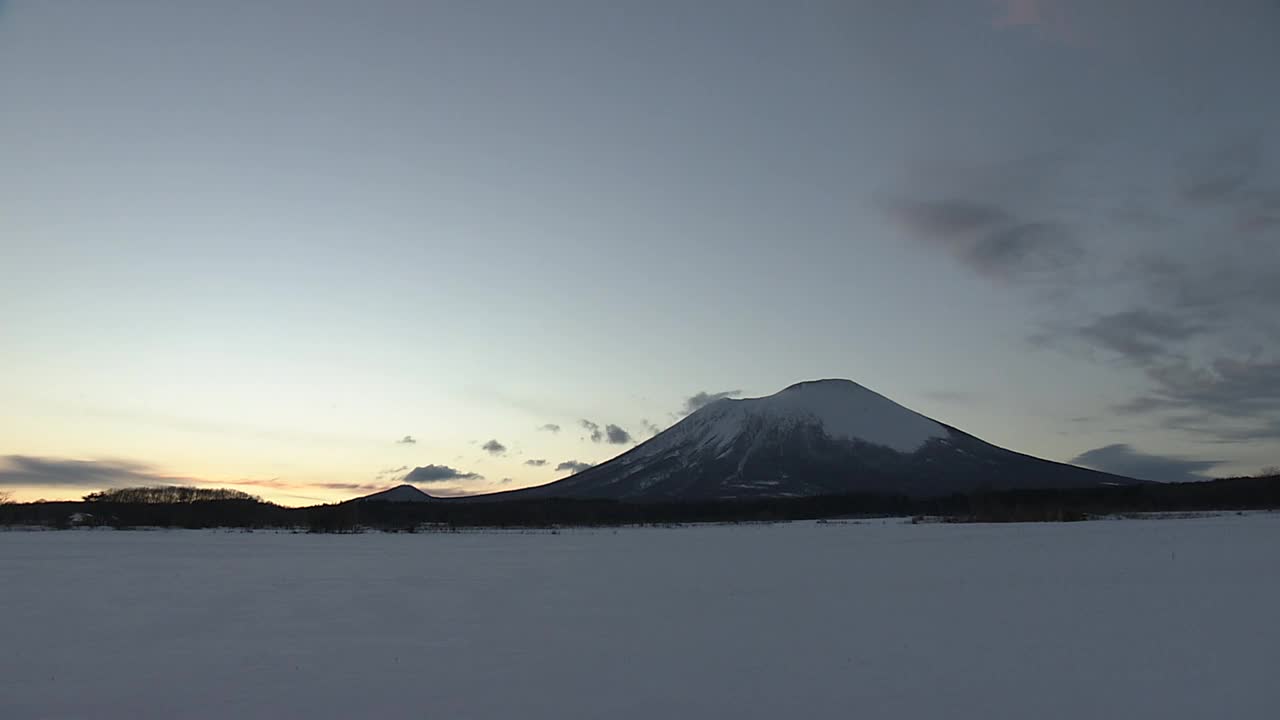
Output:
x=262 y=240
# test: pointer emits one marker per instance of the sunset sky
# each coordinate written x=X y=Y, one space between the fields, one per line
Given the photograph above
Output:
x=303 y=247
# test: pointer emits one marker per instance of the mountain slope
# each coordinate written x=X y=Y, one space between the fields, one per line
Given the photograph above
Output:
x=813 y=438
x=398 y=494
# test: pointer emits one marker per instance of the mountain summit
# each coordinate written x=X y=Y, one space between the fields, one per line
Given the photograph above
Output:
x=843 y=409
x=813 y=438
x=398 y=494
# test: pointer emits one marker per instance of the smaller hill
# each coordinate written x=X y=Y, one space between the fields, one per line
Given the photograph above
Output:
x=398 y=494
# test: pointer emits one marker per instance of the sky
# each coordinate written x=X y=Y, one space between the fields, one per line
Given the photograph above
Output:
x=310 y=249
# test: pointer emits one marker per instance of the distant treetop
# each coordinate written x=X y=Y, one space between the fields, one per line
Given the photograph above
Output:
x=168 y=495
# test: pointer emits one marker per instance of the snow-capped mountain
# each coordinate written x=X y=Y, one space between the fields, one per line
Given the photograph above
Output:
x=813 y=438
x=399 y=494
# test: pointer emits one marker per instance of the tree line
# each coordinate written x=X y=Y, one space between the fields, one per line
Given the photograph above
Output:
x=166 y=507
x=167 y=494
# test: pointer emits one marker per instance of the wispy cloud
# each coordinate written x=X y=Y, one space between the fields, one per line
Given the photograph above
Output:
x=28 y=470
x=19 y=470
x=1139 y=335
x=702 y=398
x=287 y=485
x=1232 y=388
x=407 y=440
x=610 y=433
x=1224 y=173
x=550 y=427
x=1191 y=301
x=596 y=434
x=22 y=470
x=950 y=396
x=989 y=239
x=538 y=462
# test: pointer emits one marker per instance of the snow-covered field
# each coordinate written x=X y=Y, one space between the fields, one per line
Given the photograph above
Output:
x=1126 y=619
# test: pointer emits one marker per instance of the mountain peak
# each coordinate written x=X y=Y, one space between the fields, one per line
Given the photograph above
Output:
x=823 y=383
x=818 y=437
x=399 y=493
x=843 y=409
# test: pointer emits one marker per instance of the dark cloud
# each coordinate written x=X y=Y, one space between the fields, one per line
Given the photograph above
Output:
x=428 y=474
x=701 y=399
x=596 y=434
x=1139 y=335
x=100 y=474
x=505 y=481
x=1225 y=173
x=1140 y=404
x=990 y=239
x=1264 y=430
x=1182 y=282
x=550 y=427
x=1169 y=281
x=535 y=463
x=650 y=428
x=616 y=435
x=1232 y=177
x=493 y=447
x=1121 y=459
x=17 y=470
x=28 y=470
x=407 y=440
x=1231 y=389
x=949 y=219
x=1229 y=295
x=573 y=466
x=1192 y=385
x=1025 y=247
x=1210 y=428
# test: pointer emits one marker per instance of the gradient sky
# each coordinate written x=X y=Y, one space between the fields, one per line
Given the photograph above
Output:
x=266 y=243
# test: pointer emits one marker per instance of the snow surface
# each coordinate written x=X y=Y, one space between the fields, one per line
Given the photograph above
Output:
x=881 y=619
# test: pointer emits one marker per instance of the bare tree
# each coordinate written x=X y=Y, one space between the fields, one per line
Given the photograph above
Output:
x=5 y=497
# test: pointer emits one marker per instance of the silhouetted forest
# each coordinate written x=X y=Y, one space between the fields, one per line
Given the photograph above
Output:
x=167 y=507
x=168 y=494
